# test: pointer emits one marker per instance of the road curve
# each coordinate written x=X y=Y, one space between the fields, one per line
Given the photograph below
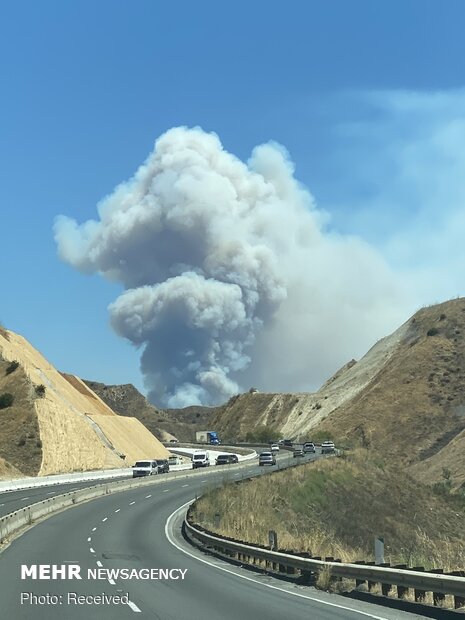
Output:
x=127 y=530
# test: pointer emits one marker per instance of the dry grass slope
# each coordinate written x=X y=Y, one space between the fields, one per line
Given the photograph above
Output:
x=335 y=507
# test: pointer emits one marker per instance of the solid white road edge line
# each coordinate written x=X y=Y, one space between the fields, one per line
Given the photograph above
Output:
x=133 y=606
x=266 y=585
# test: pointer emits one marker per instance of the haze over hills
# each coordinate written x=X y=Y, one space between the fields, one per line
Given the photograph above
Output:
x=52 y=422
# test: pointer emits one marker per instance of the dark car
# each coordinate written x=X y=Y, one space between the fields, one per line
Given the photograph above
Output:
x=288 y=443
x=163 y=466
x=226 y=459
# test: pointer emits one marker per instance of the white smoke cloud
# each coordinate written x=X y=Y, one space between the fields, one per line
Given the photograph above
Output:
x=229 y=273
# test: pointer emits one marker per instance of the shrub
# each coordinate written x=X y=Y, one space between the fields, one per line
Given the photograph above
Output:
x=263 y=434
x=6 y=400
x=433 y=331
x=21 y=441
x=12 y=366
x=40 y=390
x=320 y=436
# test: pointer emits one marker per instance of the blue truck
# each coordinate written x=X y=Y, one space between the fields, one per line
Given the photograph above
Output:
x=210 y=437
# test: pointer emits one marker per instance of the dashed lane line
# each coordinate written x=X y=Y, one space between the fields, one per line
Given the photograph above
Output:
x=133 y=606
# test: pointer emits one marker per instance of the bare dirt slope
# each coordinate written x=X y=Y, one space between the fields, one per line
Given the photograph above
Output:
x=54 y=412
x=163 y=423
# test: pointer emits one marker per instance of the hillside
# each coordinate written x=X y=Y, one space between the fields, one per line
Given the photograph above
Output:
x=55 y=423
x=404 y=398
x=163 y=423
x=336 y=507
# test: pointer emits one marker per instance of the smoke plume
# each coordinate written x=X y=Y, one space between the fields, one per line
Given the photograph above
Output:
x=228 y=271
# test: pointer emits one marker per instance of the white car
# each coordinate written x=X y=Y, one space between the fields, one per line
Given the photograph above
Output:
x=266 y=458
x=274 y=447
x=328 y=447
x=145 y=468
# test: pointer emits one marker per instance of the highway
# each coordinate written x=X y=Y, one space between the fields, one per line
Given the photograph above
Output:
x=128 y=531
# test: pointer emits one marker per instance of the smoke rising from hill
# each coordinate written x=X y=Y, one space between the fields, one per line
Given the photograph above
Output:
x=229 y=272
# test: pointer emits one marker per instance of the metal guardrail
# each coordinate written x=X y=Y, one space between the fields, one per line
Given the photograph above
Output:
x=285 y=563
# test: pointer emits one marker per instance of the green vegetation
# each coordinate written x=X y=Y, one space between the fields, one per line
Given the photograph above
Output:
x=12 y=366
x=40 y=390
x=6 y=400
x=320 y=436
x=263 y=434
x=433 y=331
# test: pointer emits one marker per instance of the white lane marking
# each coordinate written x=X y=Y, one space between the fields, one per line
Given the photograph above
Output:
x=235 y=475
x=165 y=490
x=266 y=585
x=131 y=503
x=185 y=485
x=133 y=606
x=23 y=499
x=2 y=504
x=93 y=529
x=103 y=520
x=91 y=550
x=203 y=481
x=110 y=580
x=118 y=509
x=89 y=539
x=99 y=564
x=51 y=493
x=147 y=496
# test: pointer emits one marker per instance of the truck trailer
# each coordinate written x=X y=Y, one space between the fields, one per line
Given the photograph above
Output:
x=209 y=437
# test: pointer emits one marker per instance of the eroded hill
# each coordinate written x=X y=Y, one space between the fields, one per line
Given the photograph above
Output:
x=163 y=423
x=404 y=398
x=53 y=423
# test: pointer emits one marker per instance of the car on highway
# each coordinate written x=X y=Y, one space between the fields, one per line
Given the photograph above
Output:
x=288 y=443
x=266 y=458
x=328 y=447
x=174 y=441
x=226 y=459
x=309 y=447
x=145 y=468
x=298 y=452
x=163 y=466
x=274 y=447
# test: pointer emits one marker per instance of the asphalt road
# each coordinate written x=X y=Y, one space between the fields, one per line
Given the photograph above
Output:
x=127 y=530
x=10 y=501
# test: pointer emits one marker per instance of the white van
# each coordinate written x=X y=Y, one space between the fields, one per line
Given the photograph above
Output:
x=200 y=458
x=145 y=468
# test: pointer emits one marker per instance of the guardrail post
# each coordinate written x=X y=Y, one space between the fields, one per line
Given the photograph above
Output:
x=401 y=590
x=385 y=587
x=419 y=594
x=359 y=582
x=459 y=601
x=438 y=597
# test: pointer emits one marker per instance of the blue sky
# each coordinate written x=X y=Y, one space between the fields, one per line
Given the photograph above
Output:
x=368 y=97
